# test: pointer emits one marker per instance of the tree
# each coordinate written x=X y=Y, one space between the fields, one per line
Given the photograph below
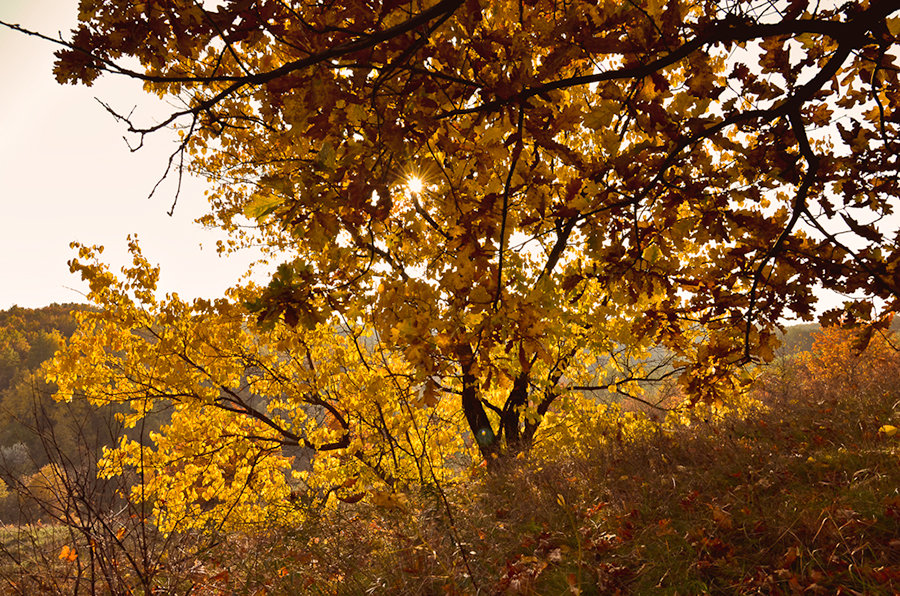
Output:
x=28 y=337
x=499 y=205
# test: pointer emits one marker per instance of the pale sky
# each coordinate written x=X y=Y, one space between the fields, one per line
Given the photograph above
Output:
x=66 y=174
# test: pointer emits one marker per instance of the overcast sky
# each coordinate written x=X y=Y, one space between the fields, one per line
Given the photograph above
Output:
x=66 y=174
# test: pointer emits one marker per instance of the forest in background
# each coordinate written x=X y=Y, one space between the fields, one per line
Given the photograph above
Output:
x=28 y=337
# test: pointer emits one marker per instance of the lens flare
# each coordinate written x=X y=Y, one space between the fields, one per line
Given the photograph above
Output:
x=415 y=184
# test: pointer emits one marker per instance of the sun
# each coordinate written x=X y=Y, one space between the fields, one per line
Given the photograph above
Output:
x=415 y=184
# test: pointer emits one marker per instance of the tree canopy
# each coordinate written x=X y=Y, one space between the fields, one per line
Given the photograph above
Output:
x=485 y=210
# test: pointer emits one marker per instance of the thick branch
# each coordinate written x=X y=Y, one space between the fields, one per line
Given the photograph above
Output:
x=847 y=33
x=517 y=151
x=799 y=205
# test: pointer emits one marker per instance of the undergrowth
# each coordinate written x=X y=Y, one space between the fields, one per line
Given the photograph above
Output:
x=799 y=494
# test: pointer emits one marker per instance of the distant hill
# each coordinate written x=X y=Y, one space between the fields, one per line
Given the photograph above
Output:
x=798 y=338
x=28 y=336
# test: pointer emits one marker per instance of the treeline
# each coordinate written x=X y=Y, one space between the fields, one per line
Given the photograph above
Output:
x=34 y=428
x=30 y=336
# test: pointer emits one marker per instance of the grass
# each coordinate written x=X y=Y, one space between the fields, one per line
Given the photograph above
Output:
x=27 y=536
x=799 y=496
x=29 y=558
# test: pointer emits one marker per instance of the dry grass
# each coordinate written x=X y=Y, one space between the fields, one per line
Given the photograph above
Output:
x=802 y=497
x=799 y=497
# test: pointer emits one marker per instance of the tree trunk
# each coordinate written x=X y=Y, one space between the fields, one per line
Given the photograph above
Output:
x=472 y=407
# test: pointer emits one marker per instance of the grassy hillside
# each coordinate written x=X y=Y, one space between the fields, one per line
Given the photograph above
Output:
x=799 y=495
x=796 y=491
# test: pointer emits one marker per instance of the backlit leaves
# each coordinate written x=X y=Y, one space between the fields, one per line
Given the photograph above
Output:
x=602 y=183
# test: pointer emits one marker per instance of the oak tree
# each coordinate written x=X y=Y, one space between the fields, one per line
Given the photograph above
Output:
x=486 y=208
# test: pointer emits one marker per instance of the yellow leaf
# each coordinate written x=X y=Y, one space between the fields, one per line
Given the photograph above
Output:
x=388 y=500
x=326 y=156
x=893 y=25
x=262 y=205
x=601 y=116
x=888 y=430
x=651 y=254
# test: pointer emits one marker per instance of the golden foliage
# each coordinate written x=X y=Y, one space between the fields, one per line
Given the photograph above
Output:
x=608 y=196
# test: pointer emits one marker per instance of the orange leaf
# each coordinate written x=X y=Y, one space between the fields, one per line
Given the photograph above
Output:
x=721 y=517
x=68 y=554
x=789 y=557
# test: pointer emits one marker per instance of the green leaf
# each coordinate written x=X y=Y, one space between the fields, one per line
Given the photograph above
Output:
x=326 y=157
x=261 y=206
